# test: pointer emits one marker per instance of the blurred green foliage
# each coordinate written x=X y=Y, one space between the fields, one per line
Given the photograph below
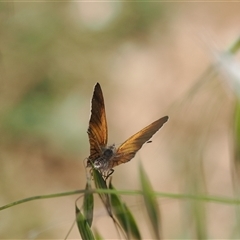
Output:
x=50 y=55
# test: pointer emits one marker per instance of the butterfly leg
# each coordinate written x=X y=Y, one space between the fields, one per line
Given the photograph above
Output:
x=109 y=173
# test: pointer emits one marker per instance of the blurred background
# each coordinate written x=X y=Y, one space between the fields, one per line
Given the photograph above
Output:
x=152 y=59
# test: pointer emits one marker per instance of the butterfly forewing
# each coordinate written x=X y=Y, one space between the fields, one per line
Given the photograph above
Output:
x=130 y=147
x=97 y=130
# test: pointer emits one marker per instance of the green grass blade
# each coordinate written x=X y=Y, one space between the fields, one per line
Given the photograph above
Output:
x=83 y=226
x=236 y=165
x=88 y=204
x=124 y=216
x=150 y=202
x=100 y=183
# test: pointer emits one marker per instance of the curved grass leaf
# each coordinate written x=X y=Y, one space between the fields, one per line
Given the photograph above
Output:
x=83 y=226
x=100 y=183
x=124 y=216
x=236 y=165
x=88 y=204
x=150 y=202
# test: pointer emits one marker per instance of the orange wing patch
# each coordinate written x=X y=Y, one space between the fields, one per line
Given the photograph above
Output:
x=130 y=147
x=97 y=130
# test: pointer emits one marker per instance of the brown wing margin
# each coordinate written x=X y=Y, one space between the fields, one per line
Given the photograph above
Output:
x=97 y=130
x=130 y=147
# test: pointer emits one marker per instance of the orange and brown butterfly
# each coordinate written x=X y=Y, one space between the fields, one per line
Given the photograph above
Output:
x=105 y=157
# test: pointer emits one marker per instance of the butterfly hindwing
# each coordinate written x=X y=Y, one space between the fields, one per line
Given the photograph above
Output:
x=129 y=148
x=97 y=130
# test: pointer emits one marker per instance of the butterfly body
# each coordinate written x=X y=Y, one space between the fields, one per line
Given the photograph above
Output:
x=103 y=157
x=102 y=162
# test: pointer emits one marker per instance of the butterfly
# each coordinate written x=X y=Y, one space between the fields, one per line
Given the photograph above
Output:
x=105 y=157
